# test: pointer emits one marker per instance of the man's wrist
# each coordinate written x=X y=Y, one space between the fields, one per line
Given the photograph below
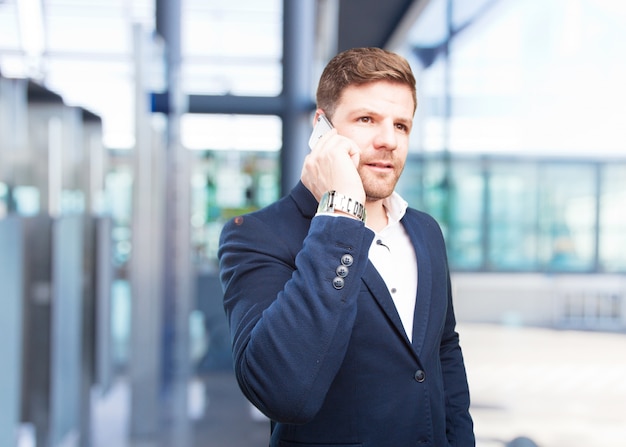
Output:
x=333 y=202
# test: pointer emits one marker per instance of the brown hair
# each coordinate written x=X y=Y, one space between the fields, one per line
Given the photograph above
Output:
x=359 y=66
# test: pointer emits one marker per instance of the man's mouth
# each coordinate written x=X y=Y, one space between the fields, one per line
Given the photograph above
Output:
x=380 y=165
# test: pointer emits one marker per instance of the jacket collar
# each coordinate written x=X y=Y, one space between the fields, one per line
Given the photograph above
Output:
x=305 y=201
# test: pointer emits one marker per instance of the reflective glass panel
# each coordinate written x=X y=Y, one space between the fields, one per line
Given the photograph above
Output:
x=512 y=216
x=567 y=217
x=225 y=184
x=613 y=219
x=465 y=210
x=411 y=183
x=4 y=200
x=435 y=191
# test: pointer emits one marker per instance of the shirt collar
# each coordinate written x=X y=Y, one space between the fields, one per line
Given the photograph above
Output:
x=396 y=208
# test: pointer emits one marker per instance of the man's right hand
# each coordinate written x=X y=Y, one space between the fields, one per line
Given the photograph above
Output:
x=332 y=166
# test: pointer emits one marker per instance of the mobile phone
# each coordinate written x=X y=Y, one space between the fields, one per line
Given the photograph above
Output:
x=321 y=127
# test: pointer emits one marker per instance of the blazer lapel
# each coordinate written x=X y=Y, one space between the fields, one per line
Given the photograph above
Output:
x=378 y=289
x=424 y=282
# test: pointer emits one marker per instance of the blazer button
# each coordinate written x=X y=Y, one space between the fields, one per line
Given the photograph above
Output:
x=342 y=271
x=338 y=283
x=420 y=375
x=347 y=260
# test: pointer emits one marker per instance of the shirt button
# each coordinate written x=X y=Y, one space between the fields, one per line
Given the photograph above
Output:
x=420 y=375
x=342 y=271
x=347 y=260
x=338 y=283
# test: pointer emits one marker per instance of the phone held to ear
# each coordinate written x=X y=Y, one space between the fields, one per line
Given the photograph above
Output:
x=321 y=127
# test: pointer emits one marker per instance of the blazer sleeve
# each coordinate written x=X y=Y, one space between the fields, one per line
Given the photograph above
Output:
x=290 y=326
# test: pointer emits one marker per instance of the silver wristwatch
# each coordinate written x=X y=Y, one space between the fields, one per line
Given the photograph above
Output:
x=332 y=200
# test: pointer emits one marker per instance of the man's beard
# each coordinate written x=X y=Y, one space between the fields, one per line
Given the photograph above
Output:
x=378 y=188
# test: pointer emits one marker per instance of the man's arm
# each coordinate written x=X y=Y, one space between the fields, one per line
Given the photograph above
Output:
x=290 y=326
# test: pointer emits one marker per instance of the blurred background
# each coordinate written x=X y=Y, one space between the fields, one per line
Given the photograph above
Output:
x=130 y=131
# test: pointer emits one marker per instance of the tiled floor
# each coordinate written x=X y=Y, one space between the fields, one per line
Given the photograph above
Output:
x=558 y=388
x=229 y=421
x=222 y=418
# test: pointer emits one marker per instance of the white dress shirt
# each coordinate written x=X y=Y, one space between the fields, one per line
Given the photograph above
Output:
x=393 y=255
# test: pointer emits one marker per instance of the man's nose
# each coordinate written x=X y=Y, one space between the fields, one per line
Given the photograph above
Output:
x=386 y=137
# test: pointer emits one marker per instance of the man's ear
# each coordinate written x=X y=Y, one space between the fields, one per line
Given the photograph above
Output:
x=318 y=112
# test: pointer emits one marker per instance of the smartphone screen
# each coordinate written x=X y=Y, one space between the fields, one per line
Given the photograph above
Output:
x=321 y=127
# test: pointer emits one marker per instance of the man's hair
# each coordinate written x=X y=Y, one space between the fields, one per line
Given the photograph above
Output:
x=359 y=66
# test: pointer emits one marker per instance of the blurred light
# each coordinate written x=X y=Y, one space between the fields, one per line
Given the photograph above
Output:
x=31 y=23
x=231 y=132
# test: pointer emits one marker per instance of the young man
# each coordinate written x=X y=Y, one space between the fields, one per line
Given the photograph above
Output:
x=342 y=322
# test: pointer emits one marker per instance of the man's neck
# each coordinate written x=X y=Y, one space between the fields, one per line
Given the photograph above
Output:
x=376 y=215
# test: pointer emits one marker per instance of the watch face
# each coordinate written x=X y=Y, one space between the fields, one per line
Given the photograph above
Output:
x=325 y=203
x=330 y=201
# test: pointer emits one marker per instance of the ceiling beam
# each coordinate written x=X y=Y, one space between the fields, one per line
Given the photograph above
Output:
x=373 y=23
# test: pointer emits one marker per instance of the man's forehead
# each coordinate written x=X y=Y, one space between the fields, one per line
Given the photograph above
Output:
x=374 y=96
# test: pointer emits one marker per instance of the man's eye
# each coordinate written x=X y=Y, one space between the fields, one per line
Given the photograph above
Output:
x=365 y=119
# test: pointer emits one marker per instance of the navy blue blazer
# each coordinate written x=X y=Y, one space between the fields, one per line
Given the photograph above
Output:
x=333 y=366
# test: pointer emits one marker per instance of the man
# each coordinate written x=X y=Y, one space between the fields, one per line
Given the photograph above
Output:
x=342 y=322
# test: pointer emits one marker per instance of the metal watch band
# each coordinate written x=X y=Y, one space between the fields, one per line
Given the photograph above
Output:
x=332 y=200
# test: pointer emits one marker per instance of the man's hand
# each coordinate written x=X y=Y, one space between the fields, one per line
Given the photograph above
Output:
x=332 y=165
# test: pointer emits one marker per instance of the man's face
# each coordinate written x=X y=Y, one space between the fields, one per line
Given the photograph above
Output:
x=378 y=117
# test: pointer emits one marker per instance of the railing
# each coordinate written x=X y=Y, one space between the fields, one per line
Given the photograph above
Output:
x=592 y=309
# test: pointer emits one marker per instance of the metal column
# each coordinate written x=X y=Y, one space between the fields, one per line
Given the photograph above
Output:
x=145 y=263
x=12 y=280
x=177 y=266
x=298 y=64
x=162 y=267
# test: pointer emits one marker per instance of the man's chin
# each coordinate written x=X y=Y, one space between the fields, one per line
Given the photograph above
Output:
x=376 y=194
x=378 y=188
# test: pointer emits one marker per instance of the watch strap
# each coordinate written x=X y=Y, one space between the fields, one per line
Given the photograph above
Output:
x=333 y=201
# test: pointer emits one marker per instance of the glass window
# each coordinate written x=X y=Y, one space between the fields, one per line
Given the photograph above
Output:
x=4 y=200
x=411 y=183
x=510 y=84
x=567 y=217
x=465 y=207
x=119 y=197
x=430 y=132
x=232 y=47
x=512 y=216
x=234 y=172
x=515 y=76
x=613 y=219
x=225 y=184
x=435 y=191
x=451 y=191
